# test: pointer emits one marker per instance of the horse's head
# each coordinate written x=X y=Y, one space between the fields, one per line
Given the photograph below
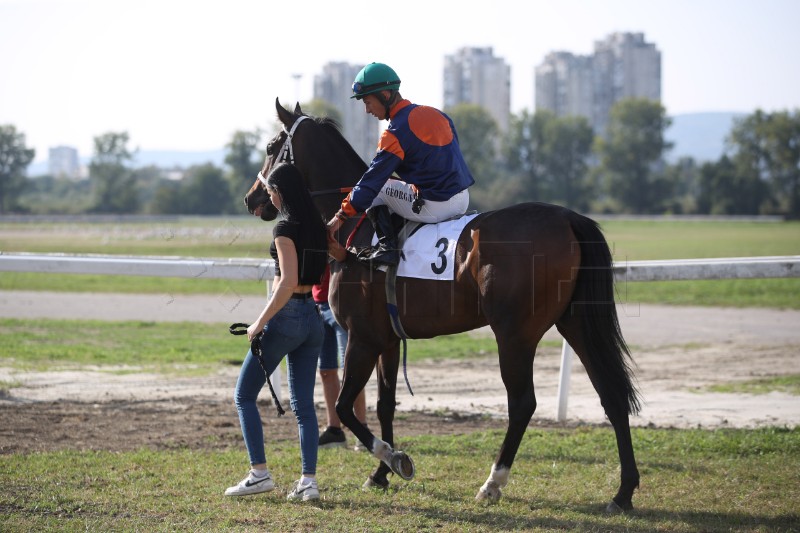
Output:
x=257 y=200
x=328 y=164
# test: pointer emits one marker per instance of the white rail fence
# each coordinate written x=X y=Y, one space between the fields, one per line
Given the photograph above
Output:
x=252 y=269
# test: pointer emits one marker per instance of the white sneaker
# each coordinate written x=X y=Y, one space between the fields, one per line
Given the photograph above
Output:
x=304 y=492
x=251 y=485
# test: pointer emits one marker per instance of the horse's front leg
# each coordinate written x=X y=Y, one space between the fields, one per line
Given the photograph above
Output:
x=391 y=460
x=359 y=360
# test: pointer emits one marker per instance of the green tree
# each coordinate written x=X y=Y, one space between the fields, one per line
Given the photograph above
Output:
x=167 y=199
x=725 y=190
x=478 y=137
x=204 y=191
x=14 y=160
x=567 y=145
x=767 y=147
x=683 y=178
x=244 y=159
x=113 y=183
x=630 y=151
x=322 y=109
x=522 y=151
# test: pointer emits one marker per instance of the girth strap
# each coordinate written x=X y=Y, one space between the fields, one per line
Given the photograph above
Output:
x=391 y=295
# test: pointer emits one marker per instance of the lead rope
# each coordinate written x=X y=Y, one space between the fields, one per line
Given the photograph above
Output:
x=255 y=347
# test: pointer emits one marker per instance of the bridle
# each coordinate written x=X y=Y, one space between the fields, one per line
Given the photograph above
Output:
x=286 y=155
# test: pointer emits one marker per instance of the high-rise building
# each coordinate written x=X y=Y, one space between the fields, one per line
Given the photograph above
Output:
x=335 y=86
x=63 y=162
x=622 y=66
x=476 y=76
x=564 y=84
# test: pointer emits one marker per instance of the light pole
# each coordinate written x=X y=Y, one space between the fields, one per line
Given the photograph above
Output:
x=296 y=77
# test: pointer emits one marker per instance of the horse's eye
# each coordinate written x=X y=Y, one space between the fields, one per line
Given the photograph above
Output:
x=269 y=149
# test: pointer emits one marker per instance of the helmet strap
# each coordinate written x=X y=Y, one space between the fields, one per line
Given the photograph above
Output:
x=386 y=102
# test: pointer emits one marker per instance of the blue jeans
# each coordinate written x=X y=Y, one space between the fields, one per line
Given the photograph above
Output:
x=332 y=355
x=297 y=332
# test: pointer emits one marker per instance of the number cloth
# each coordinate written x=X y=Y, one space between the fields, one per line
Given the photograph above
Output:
x=430 y=251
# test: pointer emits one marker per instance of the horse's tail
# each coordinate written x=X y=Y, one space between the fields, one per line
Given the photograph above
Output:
x=593 y=302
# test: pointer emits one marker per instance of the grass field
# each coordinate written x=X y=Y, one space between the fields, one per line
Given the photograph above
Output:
x=248 y=237
x=692 y=480
x=166 y=347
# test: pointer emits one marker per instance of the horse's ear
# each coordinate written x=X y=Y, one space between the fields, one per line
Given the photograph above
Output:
x=297 y=110
x=283 y=114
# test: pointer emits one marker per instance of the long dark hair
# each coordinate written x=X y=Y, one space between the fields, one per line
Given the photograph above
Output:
x=298 y=208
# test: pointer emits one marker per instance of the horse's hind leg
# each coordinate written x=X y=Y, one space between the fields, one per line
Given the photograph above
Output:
x=570 y=328
x=516 y=369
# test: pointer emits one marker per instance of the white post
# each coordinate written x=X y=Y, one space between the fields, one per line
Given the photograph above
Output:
x=563 y=380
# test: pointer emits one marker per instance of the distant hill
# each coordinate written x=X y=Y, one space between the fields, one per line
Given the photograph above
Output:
x=697 y=135
x=169 y=159
x=700 y=135
x=159 y=158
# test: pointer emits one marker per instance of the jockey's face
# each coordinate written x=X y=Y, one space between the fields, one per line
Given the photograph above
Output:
x=373 y=106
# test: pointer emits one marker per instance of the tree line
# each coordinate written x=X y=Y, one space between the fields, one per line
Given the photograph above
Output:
x=542 y=158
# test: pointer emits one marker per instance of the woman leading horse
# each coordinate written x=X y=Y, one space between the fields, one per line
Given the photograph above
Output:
x=519 y=270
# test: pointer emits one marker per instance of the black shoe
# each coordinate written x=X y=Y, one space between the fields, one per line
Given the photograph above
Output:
x=332 y=438
x=385 y=252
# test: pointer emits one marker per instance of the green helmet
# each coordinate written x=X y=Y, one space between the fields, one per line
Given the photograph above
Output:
x=373 y=78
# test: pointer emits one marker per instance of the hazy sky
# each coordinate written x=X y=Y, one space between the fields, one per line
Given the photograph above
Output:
x=184 y=75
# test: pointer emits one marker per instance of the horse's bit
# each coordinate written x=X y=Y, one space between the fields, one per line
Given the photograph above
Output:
x=286 y=154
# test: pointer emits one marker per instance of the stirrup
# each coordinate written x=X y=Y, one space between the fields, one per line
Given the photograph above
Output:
x=374 y=256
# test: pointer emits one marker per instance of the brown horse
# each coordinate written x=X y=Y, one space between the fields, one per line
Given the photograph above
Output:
x=519 y=270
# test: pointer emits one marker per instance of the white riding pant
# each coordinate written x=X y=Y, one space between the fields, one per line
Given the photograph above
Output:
x=398 y=196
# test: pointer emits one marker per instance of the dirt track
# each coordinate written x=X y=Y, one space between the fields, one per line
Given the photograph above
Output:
x=678 y=351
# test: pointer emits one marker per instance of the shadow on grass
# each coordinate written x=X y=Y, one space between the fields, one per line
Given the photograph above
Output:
x=587 y=517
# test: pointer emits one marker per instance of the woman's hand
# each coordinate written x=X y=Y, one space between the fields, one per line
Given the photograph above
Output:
x=253 y=330
x=333 y=226
x=336 y=250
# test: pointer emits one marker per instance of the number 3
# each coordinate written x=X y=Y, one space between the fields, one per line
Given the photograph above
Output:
x=443 y=243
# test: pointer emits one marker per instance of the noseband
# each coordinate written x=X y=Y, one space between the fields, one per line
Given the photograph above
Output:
x=286 y=155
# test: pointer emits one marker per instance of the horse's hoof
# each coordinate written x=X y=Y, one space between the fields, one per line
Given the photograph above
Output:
x=614 y=508
x=489 y=494
x=371 y=484
x=402 y=465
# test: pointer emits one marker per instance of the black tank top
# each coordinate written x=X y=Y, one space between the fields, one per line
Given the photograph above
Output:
x=311 y=263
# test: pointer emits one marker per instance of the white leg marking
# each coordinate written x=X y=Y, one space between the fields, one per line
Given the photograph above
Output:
x=498 y=479
x=500 y=476
x=382 y=451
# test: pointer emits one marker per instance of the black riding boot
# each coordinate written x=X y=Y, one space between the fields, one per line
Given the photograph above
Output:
x=385 y=252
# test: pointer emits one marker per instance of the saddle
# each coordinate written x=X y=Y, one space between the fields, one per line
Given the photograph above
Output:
x=427 y=251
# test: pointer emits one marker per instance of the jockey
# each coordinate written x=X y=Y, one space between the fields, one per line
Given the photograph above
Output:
x=419 y=171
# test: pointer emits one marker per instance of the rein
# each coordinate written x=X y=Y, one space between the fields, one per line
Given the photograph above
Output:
x=240 y=328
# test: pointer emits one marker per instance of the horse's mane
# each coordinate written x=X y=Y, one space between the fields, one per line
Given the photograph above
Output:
x=334 y=129
x=328 y=122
